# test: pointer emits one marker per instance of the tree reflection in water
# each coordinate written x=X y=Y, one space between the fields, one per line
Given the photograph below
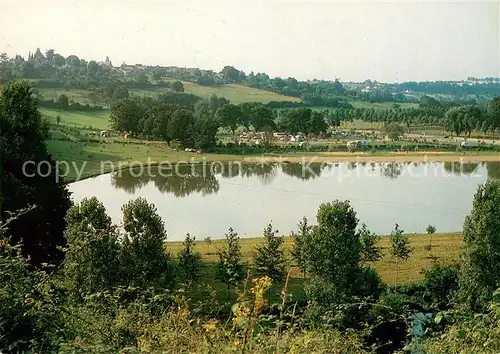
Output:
x=391 y=170
x=493 y=169
x=459 y=168
x=303 y=171
x=183 y=180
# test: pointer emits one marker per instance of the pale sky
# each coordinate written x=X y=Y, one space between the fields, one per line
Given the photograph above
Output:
x=353 y=41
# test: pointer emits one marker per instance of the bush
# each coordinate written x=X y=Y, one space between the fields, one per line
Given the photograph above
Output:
x=441 y=285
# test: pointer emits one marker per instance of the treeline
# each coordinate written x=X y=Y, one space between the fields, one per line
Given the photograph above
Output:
x=192 y=122
x=171 y=117
x=457 y=119
x=446 y=87
x=105 y=82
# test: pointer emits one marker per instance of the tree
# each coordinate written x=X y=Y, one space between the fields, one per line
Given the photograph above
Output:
x=369 y=250
x=119 y=93
x=332 y=253
x=268 y=137
x=229 y=269
x=428 y=102
x=126 y=115
x=144 y=256
x=203 y=131
x=260 y=117
x=189 y=261
x=63 y=102
x=269 y=259
x=462 y=119
x=22 y=140
x=230 y=116
x=179 y=125
x=394 y=131
x=177 y=86
x=431 y=230
x=316 y=124
x=92 y=259
x=480 y=269
x=299 y=239
x=295 y=120
x=494 y=113
x=400 y=247
x=59 y=60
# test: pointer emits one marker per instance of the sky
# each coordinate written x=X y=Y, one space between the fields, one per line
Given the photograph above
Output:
x=352 y=41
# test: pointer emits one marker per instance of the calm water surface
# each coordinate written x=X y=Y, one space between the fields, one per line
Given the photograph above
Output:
x=207 y=200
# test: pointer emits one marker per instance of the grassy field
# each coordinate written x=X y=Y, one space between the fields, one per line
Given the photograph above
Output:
x=76 y=95
x=378 y=105
x=97 y=119
x=90 y=155
x=236 y=93
x=149 y=93
x=445 y=249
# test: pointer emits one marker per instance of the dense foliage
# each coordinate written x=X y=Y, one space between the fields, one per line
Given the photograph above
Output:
x=29 y=177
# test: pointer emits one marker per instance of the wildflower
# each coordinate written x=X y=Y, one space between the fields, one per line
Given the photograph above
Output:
x=210 y=325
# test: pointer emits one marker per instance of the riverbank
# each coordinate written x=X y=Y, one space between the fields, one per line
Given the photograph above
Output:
x=445 y=249
x=424 y=156
x=89 y=159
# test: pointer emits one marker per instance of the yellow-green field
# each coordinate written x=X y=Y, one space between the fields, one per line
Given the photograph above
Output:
x=97 y=119
x=236 y=93
x=445 y=249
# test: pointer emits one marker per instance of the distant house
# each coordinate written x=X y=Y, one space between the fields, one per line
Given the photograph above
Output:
x=358 y=144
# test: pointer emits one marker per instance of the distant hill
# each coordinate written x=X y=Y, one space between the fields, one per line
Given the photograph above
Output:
x=233 y=92
x=237 y=93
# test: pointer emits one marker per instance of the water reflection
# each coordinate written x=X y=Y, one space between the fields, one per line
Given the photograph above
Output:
x=392 y=170
x=303 y=171
x=468 y=168
x=493 y=169
x=265 y=172
x=182 y=181
x=459 y=168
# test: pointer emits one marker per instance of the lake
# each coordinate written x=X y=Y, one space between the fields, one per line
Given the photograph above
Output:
x=206 y=199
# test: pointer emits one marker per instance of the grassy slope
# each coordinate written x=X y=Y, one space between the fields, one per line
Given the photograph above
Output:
x=77 y=95
x=93 y=154
x=446 y=247
x=236 y=93
x=98 y=119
